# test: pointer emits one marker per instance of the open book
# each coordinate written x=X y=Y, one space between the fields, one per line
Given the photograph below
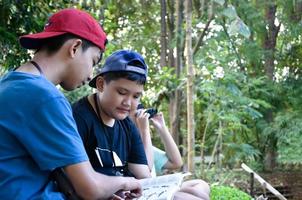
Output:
x=161 y=187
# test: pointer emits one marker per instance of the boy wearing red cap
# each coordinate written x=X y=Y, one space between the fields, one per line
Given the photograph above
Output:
x=37 y=129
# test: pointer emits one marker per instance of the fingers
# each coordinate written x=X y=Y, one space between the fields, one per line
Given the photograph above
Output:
x=116 y=197
x=123 y=195
x=134 y=188
x=132 y=195
x=158 y=121
x=141 y=113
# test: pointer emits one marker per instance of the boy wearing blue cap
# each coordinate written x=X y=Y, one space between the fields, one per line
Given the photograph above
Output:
x=111 y=139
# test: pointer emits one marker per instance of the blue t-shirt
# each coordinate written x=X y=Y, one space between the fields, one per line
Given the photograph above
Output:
x=109 y=149
x=37 y=134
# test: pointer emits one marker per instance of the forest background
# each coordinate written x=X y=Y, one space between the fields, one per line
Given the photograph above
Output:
x=226 y=73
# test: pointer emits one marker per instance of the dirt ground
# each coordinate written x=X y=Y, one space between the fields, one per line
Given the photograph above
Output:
x=288 y=183
x=292 y=179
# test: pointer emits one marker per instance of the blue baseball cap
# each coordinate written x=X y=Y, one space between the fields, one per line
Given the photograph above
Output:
x=122 y=61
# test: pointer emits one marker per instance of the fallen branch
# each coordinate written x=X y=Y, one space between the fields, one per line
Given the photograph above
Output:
x=263 y=182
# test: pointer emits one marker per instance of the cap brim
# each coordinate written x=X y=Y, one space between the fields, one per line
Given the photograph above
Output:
x=92 y=83
x=33 y=41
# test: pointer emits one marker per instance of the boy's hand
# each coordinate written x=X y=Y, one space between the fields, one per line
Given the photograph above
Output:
x=158 y=121
x=117 y=196
x=133 y=188
x=142 y=119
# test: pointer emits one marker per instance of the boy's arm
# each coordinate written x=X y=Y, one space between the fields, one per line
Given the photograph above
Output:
x=171 y=149
x=138 y=160
x=139 y=170
x=142 y=123
x=89 y=184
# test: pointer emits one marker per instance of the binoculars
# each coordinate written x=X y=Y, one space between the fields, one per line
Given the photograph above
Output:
x=151 y=111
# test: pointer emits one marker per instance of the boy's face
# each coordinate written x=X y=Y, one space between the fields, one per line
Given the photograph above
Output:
x=117 y=97
x=81 y=68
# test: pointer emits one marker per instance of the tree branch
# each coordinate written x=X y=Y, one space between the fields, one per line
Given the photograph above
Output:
x=202 y=35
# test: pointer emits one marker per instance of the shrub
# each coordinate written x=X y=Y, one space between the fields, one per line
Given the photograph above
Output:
x=228 y=193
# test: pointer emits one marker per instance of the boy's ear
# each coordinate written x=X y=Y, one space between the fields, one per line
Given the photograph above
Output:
x=75 y=45
x=100 y=82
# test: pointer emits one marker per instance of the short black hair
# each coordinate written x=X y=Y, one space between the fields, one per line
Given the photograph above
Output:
x=53 y=44
x=131 y=76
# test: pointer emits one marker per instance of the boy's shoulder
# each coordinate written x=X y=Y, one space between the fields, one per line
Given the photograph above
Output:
x=29 y=84
x=82 y=107
x=80 y=103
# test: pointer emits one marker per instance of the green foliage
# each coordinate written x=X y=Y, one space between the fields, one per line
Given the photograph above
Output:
x=228 y=193
x=228 y=101
x=75 y=95
x=164 y=84
x=18 y=18
x=236 y=103
x=288 y=128
x=224 y=176
x=237 y=25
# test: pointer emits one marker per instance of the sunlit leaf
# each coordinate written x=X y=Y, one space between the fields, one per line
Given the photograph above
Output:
x=220 y=2
x=230 y=12
x=244 y=29
x=238 y=27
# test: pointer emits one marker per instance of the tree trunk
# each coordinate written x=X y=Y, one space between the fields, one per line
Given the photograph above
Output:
x=270 y=40
x=171 y=28
x=170 y=38
x=175 y=123
x=269 y=45
x=163 y=34
x=190 y=89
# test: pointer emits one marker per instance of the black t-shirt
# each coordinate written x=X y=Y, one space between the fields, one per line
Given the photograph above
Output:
x=109 y=149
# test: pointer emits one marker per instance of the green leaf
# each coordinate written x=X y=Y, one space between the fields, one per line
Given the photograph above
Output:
x=230 y=12
x=238 y=26
x=234 y=90
x=244 y=29
x=253 y=113
x=220 y=2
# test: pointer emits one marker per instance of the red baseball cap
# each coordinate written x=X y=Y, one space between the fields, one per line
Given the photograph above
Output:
x=72 y=21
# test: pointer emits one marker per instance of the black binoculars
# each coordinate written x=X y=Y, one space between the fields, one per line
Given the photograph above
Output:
x=151 y=111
